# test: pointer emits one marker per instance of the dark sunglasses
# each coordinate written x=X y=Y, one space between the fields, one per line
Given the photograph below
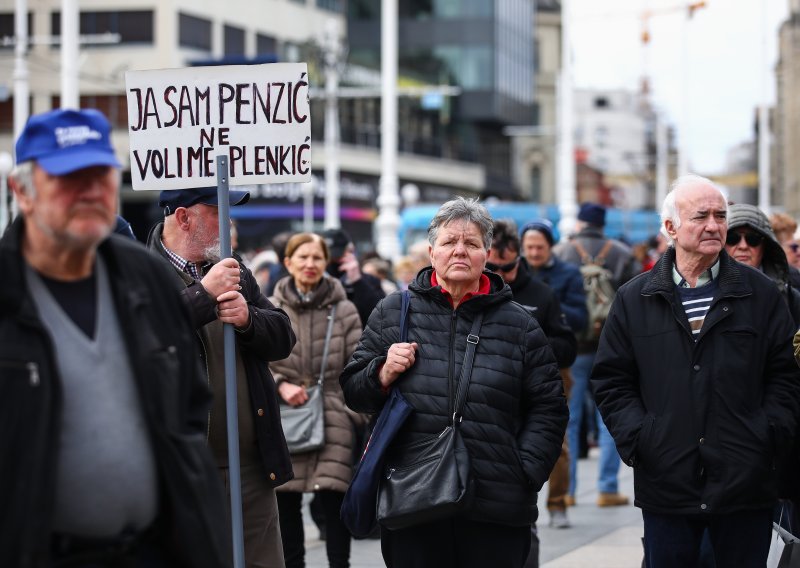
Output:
x=492 y=267
x=752 y=239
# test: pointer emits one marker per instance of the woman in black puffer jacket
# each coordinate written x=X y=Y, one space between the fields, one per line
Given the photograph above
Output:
x=515 y=412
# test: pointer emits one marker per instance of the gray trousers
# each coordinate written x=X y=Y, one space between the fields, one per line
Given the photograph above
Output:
x=262 y=532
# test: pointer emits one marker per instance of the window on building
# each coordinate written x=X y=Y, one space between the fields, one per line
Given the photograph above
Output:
x=266 y=45
x=332 y=5
x=194 y=32
x=133 y=26
x=233 y=40
x=536 y=184
x=601 y=102
x=365 y=9
x=7 y=115
x=8 y=29
x=291 y=52
x=114 y=107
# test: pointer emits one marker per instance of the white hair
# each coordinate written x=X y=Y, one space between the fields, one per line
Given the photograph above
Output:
x=22 y=174
x=669 y=209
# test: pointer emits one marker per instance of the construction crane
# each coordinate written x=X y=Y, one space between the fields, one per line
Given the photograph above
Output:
x=645 y=16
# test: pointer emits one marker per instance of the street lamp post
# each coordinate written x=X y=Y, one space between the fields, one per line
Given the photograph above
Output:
x=332 y=59
x=388 y=221
x=565 y=160
x=6 y=163
x=69 y=54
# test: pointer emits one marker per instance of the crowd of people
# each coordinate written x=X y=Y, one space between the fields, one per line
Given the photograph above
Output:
x=679 y=354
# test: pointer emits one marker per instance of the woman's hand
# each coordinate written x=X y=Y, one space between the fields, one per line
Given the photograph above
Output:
x=294 y=395
x=399 y=359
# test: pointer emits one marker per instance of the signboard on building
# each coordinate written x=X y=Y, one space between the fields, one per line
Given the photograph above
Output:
x=179 y=120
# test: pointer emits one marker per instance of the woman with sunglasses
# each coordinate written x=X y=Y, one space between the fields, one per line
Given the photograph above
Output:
x=751 y=241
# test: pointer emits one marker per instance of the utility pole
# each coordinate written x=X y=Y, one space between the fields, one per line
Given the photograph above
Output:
x=764 y=133
x=565 y=164
x=388 y=221
x=21 y=93
x=332 y=58
x=69 y=54
x=662 y=154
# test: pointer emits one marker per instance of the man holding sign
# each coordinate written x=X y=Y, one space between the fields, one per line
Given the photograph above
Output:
x=103 y=403
x=225 y=291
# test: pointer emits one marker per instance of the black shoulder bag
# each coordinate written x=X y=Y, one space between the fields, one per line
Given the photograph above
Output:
x=431 y=479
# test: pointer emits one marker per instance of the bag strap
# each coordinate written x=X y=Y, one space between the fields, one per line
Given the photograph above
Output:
x=405 y=299
x=601 y=256
x=466 y=368
x=328 y=333
x=599 y=260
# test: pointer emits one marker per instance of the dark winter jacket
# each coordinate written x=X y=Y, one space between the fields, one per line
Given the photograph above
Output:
x=703 y=422
x=567 y=284
x=175 y=401
x=331 y=467
x=365 y=292
x=515 y=413
x=269 y=338
x=541 y=301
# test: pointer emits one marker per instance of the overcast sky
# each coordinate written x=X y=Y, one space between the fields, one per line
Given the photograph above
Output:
x=727 y=55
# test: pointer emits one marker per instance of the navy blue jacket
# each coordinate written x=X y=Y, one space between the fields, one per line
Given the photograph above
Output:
x=567 y=284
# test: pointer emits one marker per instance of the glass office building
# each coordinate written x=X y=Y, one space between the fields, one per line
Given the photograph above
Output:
x=484 y=47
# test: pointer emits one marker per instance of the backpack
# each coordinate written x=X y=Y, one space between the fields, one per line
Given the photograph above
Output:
x=599 y=290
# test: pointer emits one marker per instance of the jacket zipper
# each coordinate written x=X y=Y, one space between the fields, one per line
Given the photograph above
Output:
x=451 y=403
x=31 y=366
x=208 y=384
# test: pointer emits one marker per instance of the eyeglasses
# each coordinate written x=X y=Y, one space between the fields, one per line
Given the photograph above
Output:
x=492 y=267
x=752 y=239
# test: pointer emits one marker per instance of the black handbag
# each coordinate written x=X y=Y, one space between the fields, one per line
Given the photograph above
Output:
x=304 y=425
x=431 y=479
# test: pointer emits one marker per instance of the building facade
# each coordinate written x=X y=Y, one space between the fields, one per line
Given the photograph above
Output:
x=787 y=113
x=614 y=132
x=535 y=150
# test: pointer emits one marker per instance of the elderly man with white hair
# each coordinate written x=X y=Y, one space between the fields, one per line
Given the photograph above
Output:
x=695 y=379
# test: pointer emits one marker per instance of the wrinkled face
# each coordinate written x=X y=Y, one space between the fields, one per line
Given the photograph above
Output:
x=307 y=265
x=77 y=210
x=458 y=255
x=745 y=245
x=204 y=232
x=505 y=264
x=704 y=226
x=536 y=248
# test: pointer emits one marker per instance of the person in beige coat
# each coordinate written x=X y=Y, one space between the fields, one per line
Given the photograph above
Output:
x=307 y=295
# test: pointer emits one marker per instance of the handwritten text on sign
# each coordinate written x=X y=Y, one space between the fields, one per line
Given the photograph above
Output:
x=179 y=120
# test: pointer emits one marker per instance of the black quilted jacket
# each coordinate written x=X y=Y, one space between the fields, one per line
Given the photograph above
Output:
x=515 y=413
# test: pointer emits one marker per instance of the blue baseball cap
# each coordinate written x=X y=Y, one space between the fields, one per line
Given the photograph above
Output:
x=64 y=141
x=171 y=199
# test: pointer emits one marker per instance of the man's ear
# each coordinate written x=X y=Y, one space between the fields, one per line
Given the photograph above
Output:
x=670 y=227
x=21 y=196
x=183 y=218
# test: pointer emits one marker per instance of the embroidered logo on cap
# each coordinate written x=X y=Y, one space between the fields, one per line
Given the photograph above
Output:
x=75 y=135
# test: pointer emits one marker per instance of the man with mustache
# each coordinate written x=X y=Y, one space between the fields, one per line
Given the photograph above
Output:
x=225 y=291
x=103 y=404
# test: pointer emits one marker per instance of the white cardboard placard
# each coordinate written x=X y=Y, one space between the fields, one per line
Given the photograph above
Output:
x=179 y=120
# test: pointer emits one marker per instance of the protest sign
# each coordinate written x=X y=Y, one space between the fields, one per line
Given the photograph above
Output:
x=179 y=120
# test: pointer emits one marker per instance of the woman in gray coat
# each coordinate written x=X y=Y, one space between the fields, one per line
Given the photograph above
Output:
x=307 y=295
